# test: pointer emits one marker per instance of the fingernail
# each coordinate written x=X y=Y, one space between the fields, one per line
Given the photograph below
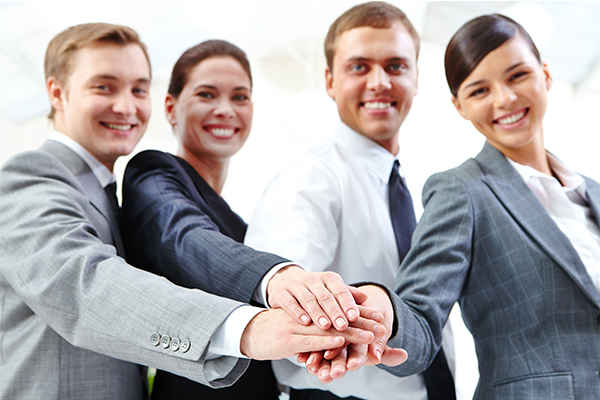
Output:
x=365 y=335
x=313 y=370
x=305 y=319
x=352 y=314
x=340 y=322
x=323 y=321
x=310 y=359
x=338 y=368
x=378 y=354
x=378 y=329
x=327 y=353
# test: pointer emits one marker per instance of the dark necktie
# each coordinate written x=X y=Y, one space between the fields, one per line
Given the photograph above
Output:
x=402 y=212
x=111 y=192
x=438 y=379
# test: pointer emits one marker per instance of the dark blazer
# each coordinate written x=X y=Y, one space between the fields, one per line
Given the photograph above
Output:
x=175 y=225
x=485 y=240
x=74 y=317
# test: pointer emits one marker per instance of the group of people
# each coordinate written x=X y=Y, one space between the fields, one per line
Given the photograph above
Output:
x=333 y=277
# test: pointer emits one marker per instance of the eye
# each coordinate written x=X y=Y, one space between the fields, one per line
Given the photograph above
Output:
x=358 y=68
x=206 y=95
x=140 y=91
x=478 y=92
x=518 y=75
x=397 y=67
x=239 y=97
x=100 y=87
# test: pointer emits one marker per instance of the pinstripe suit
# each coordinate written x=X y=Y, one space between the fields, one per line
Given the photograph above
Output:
x=485 y=241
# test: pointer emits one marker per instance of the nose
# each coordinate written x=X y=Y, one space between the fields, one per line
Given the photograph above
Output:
x=124 y=104
x=378 y=79
x=224 y=108
x=504 y=96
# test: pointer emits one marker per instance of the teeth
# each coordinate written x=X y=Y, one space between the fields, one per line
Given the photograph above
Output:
x=119 y=127
x=222 y=132
x=512 y=119
x=377 y=105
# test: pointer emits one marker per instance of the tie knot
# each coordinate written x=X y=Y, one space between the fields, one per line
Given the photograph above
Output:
x=395 y=174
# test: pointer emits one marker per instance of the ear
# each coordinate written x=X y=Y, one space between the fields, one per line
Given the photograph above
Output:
x=549 y=78
x=459 y=108
x=55 y=93
x=170 y=109
x=329 y=83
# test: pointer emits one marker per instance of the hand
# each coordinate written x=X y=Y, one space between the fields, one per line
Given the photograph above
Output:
x=322 y=297
x=333 y=364
x=274 y=334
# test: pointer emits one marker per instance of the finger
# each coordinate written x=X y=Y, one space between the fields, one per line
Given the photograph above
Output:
x=289 y=304
x=309 y=302
x=329 y=304
x=371 y=313
x=359 y=296
x=303 y=357
x=338 y=365
x=331 y=354
x=314 y=361
x=357 y=356
x=392 y=357
x=357 y=335
x=301 y=343
x=370 y=325
x=344 y=296
x=324 y=373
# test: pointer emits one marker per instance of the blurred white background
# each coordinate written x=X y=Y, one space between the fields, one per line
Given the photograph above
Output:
x=284 y=41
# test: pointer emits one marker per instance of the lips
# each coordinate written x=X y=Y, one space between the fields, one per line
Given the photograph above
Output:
x=118 y=127
x=378 y=104
x=511 y=118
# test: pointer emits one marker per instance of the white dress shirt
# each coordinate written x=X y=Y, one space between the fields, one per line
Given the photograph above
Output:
x=568 y=206
x=329 y=211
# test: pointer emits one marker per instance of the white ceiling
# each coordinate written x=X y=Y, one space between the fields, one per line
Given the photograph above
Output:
x=565 y=32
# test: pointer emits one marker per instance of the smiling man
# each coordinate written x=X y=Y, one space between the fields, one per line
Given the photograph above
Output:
x=74 y=316
x=344 y=207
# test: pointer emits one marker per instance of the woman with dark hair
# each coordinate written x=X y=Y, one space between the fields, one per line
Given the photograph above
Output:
x=167 y=197
x=511 y=234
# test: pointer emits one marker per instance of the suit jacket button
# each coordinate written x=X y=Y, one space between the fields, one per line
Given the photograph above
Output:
x=185 y=345
x=175 y=344
x=165 y=341
x=155 y=339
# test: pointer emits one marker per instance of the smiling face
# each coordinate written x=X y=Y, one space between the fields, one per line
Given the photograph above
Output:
x=374 y=80
x=505 y=98
x=213 y=114
x=105 y=104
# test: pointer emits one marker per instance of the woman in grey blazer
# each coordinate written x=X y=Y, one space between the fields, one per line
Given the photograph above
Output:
x=512 y=235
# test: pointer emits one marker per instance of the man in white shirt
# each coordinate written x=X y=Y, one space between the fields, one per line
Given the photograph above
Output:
x=332 y=207
x=74 y=315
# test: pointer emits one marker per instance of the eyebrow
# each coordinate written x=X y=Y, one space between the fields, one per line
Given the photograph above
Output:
x=507 y=70
x=392 y=59
x=108 y=77
x=214 y=88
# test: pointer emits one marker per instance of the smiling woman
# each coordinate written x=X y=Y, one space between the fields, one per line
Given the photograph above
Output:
x=174 y=221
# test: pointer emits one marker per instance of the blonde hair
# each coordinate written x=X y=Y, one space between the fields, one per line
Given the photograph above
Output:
x=60 y=54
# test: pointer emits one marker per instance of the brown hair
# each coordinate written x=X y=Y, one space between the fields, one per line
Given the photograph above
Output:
x=475 y=40
x=199 y=53
x=376 y=14
x=62 y=48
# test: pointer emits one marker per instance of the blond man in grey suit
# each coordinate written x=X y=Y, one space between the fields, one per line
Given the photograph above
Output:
x=75 y=317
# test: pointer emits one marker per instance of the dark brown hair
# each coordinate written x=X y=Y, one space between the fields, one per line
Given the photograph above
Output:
x=376 y=14
x=60 y=54
x=475 y=40
x=199 y=53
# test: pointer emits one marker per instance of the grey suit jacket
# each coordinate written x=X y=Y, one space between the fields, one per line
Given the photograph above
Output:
x=74 y=315
x=484 y=240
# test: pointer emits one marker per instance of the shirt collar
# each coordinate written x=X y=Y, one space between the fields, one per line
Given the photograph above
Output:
x=103 y=174
x=569 y=179
x=375 y=157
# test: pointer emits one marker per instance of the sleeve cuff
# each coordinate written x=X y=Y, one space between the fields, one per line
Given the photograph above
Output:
x=227 y=339
x=260 y=294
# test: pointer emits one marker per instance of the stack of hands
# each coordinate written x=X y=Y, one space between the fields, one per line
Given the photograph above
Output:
x=330 y=326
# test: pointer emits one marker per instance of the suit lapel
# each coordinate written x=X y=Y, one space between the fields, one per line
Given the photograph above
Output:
x=90 y=186
x=521 y=203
